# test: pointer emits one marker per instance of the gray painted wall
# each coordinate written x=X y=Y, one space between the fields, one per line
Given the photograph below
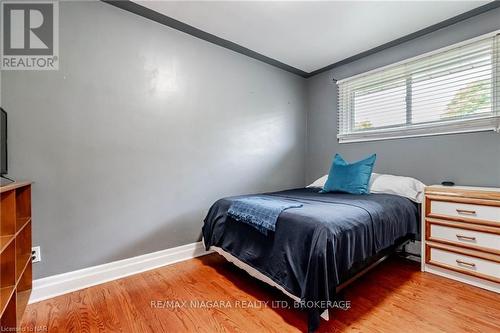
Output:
x=140 y=131
x=467 y=159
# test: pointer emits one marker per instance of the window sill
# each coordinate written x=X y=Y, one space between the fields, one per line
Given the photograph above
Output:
x=470 y=126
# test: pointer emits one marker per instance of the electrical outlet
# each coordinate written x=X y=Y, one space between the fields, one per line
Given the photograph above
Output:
x=36 y=254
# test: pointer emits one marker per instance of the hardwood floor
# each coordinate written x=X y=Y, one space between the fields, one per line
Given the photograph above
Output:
x=394 y=297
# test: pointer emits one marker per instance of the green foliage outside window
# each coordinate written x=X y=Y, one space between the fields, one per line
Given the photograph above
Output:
x=468 y=100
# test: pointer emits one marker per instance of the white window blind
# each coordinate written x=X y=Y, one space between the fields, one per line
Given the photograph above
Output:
x=452 y=90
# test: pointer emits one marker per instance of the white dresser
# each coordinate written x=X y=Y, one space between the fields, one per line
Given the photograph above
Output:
x=461 y=234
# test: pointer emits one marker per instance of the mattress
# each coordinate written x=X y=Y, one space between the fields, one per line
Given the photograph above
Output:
x=315 y=248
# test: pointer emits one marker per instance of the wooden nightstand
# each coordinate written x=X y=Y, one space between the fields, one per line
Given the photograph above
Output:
x=461 y=234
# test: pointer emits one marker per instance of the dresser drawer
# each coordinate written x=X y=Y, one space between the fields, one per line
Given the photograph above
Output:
x=462 y=237
x=465 y=210
x=486 y=269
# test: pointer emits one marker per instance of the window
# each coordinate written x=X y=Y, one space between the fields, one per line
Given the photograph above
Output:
x=452 y=90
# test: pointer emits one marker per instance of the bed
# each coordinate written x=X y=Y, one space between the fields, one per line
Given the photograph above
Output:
x=318 y=247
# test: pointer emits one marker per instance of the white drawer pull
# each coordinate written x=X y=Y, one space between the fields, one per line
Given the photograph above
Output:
x=466 y=211
x=462 y=237
x=461 y=262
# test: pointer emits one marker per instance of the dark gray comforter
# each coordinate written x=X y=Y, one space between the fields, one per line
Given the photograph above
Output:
x=315 y=246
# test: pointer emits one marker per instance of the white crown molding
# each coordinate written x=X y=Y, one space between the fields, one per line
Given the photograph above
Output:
x=60 y=284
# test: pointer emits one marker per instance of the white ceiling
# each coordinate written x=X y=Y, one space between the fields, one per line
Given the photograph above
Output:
x=309 y=35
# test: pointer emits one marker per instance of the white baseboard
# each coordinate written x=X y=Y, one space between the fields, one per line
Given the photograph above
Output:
x=414 y=248
x=67 y=282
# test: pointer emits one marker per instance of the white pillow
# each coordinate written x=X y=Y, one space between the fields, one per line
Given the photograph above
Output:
x=320 y=182
x=407 y=187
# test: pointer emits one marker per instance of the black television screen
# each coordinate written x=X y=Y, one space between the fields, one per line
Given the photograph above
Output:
x=3 y=142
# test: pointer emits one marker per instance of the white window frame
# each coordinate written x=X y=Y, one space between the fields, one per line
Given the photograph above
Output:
x=345 y=111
